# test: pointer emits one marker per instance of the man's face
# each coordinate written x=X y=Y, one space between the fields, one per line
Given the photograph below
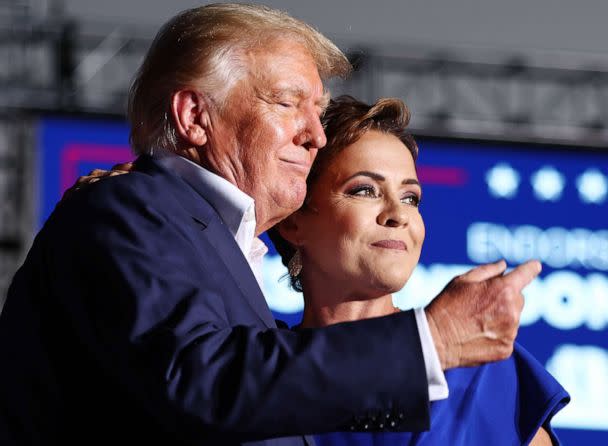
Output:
x=266 y=136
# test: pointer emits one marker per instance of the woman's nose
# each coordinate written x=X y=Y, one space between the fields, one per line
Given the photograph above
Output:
x=393 y=214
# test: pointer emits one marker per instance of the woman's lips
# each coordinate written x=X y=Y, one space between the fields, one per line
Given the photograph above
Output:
x=391 y=244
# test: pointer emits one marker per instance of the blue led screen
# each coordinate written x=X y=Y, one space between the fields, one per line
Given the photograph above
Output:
x=482 y=201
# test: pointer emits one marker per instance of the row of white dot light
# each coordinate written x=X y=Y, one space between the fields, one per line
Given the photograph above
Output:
x=548 y=183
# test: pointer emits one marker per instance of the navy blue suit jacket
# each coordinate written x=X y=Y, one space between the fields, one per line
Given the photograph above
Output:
x=136 y=318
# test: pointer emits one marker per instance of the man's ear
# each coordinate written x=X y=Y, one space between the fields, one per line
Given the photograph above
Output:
x=190 y=115
x=290 y=229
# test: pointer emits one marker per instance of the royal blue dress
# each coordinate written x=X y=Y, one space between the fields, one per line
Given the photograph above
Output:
x=503 y=403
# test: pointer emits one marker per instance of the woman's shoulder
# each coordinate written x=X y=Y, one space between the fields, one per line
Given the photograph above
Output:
x=518 y=380
x=517 y=394
x=520 y=367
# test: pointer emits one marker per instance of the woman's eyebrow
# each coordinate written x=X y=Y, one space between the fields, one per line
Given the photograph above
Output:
x=366 y=173
x=378 y=177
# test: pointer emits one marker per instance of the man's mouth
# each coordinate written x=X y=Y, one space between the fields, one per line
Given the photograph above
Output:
x=300 y=165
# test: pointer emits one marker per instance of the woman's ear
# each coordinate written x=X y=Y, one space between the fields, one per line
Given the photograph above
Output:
x=291 y=229
x=190 y=115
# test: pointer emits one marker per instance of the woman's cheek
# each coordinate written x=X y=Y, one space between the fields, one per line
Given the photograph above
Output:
x=420 y=231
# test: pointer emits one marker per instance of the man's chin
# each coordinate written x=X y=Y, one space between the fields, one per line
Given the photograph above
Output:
x=281 y=208
x=289 y=206
x=292 y=198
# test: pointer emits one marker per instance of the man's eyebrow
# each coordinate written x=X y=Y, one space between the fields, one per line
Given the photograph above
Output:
x=323 y=101
x=288 y=91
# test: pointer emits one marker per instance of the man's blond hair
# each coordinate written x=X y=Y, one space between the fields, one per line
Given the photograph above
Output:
x=203 y=48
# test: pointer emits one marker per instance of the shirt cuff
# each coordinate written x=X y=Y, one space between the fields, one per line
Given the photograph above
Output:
x=438 y=386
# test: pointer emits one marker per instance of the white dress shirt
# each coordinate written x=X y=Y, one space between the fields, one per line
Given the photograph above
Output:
x=237 y=211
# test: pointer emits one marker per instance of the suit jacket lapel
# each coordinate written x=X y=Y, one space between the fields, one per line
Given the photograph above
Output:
x=230 y=253
x=217 y=234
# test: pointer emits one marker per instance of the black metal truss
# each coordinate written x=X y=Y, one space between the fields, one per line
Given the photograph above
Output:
x=511 y=98
x=17 y=201
x=61 y=65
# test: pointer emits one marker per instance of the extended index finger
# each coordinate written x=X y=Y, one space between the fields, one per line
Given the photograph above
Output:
x=485 y=272
x=522 y=275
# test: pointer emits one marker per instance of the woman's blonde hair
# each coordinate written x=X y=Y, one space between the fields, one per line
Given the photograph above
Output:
x=204 y=48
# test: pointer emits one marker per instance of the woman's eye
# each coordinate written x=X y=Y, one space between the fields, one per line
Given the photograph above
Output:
x=363 y=191
x=412 y=200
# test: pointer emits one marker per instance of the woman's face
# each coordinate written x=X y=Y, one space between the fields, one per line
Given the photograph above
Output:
x=361 y=229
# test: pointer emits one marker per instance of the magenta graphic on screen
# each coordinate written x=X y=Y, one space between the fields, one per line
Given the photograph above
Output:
x=74 y=155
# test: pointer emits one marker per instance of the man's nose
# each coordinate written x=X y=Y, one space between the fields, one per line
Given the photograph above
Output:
x=312 y=136
x=318 y=133
x=393 y=213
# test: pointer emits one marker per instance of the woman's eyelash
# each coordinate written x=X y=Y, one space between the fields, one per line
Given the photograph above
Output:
x=365 y=190
x=415 y=199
